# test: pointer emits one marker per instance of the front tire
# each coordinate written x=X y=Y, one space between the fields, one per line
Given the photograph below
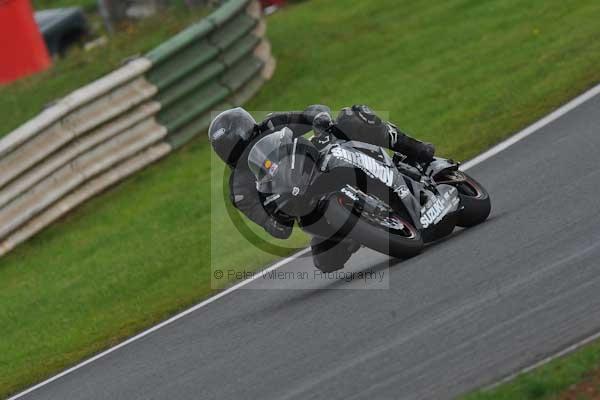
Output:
x=398 y=242
x=475 y=201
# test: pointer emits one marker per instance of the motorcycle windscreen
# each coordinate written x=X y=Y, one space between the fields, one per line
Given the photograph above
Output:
x=281 y=164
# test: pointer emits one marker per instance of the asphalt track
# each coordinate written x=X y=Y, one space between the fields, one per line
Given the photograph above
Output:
x=470 y=310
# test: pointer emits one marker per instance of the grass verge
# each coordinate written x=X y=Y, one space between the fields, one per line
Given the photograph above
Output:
x=553 y=381
x=462 y=74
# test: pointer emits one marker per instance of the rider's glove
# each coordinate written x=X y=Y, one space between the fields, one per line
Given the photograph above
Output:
x=277 y=229
x=322 y=123
x=312 y=111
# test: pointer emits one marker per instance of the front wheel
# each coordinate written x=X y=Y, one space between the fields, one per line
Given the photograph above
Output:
x=474 y=198
x=389 y=233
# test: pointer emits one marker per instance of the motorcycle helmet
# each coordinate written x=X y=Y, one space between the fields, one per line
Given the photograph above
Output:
x=230 y=132
x=284 y=168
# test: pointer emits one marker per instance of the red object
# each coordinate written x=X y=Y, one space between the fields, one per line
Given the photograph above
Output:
x=22 y=48
x=277 y=3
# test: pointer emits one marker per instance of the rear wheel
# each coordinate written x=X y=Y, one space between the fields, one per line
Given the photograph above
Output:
x=386 y=231
x=474 y=199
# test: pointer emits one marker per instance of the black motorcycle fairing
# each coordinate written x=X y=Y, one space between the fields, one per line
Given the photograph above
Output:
x=445 y=202
x=439 y=165
x=343 y=166
x=374 y=163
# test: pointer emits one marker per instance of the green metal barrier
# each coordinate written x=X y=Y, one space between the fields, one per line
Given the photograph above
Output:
x=204 y=66
x=113 y=127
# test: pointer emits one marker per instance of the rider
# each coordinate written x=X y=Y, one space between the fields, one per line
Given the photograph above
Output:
x=233 y=132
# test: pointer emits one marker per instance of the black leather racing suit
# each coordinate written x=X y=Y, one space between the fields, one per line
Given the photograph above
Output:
x=353 y=123
x=242 y=183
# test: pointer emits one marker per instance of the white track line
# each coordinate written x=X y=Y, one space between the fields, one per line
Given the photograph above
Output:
x=533 y=128
x=164 y=323
x=546 y=360
x=469 y=164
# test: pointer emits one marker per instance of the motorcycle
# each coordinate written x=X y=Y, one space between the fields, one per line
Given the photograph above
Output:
x=340 y=190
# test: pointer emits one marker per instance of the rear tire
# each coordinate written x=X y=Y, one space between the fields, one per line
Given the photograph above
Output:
x=377 y=237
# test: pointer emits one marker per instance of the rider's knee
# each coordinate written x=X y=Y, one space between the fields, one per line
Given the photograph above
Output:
x=330 y=255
